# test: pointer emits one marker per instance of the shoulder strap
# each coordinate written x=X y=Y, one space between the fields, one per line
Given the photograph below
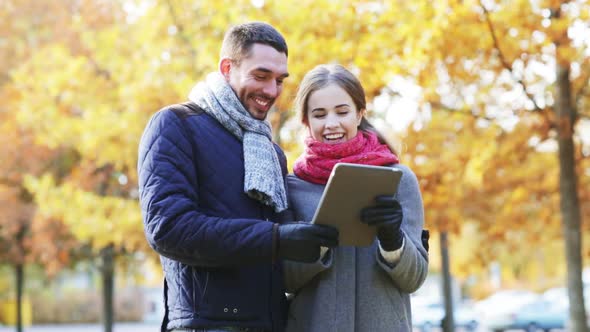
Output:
x=186 y=109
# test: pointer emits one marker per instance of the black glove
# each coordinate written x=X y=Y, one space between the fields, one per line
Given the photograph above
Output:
x=425 y=237
x=387 y=215
x=302 y=241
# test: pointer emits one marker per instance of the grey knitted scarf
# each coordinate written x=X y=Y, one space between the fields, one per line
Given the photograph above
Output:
x=263 y=178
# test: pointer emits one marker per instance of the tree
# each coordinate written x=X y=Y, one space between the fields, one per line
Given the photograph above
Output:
x=47 y=32
x=25 y=237
x=163 y=44
x=509 y=72
x=82 y=66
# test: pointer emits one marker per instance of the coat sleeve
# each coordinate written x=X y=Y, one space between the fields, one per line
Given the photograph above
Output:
x=411 y=270
x=173 y=223
x=298 y=274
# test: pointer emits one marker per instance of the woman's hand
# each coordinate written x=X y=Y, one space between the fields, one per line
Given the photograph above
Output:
x=387 y=216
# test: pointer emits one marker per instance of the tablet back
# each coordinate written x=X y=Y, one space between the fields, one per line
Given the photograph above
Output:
x=350 y=188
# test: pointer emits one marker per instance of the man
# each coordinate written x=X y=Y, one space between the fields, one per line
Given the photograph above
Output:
x=211 y=187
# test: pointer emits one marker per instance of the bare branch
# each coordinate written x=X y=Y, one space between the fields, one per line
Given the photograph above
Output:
x=9 y=183
x=464 y=111
x=181 y=33
x=99 y=70
x=503 y=59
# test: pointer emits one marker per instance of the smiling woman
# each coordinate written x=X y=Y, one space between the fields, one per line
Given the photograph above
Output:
x=333 y=117
x=352 y=288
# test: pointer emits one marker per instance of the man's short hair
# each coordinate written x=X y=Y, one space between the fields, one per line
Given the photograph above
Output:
x=239 y=39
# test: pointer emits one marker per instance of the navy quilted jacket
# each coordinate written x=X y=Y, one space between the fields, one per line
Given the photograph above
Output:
x=214 y=241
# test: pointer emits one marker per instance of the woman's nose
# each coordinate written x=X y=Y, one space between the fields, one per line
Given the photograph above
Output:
x=332 y=121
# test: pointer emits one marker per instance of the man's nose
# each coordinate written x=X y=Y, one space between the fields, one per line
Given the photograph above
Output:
x=271 y=89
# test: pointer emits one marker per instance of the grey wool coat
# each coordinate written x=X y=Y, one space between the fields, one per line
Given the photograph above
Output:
x=353 y=289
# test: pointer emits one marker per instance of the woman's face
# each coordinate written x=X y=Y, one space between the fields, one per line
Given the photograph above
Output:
x=332 y=116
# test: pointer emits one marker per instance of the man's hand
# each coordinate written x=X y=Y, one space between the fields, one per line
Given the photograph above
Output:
x=302 y=241
x=387 y=216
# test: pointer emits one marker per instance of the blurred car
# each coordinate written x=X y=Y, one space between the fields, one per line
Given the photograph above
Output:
x=556 y=295
x=502 y=304
x=428 y=316
x=559 y=295
x=540 y=314
x=506 y=300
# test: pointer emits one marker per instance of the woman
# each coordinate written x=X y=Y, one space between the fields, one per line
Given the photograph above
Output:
x=352 y=288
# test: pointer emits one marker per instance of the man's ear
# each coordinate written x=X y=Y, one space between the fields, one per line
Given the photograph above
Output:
x=225 y=67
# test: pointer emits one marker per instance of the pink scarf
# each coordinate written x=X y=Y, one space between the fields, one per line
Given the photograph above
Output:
x=316 y=163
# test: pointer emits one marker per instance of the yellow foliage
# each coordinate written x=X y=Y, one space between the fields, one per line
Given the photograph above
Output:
x=477 y=165
x=101 y=220
x=84 y=77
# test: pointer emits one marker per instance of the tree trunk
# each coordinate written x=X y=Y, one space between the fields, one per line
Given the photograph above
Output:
x=570 y=207
x=19 y=268
x=107 y=272
x=19 y=275
x=448 y=323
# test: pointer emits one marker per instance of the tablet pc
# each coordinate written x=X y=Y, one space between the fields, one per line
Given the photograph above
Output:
x=350 y=188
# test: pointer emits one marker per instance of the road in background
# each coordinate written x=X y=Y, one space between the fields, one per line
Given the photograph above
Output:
x=119 y=327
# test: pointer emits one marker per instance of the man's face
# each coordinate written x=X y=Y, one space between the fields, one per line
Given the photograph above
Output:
x=258 y=79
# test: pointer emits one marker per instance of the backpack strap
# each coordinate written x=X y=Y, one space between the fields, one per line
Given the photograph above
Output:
x=186 y=109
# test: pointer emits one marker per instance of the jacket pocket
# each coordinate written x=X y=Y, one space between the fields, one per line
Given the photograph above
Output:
x=230 y=295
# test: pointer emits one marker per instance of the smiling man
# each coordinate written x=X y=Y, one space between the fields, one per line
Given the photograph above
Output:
x=211 y=187
x=257 y=79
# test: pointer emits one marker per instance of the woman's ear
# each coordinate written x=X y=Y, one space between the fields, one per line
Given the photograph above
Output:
x=225 y=67
x=360 y=114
